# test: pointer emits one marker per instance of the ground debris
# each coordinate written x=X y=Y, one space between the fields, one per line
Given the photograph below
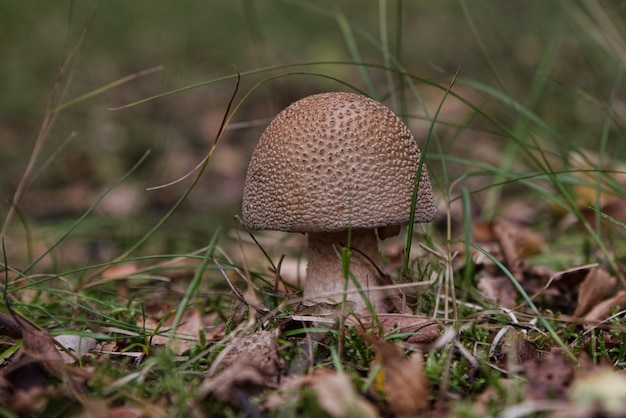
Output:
x=597 y=285
x=337 y=396
x=399 y=381
x=417 y=329
x=101 y=409
x=9 y=326
x=549 y=376
x=597 y=393
x=187 y=334
x=27 y=379
x=603 y=310
x=334 y=391
x=509 y=243
x=248 y=365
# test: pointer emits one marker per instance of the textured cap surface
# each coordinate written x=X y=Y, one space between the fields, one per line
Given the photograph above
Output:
x=334 y=161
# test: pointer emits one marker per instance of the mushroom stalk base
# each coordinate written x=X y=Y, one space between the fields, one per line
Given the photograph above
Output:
x=325 y=282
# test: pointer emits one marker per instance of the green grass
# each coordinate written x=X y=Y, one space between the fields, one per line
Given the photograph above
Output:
x=126 y=101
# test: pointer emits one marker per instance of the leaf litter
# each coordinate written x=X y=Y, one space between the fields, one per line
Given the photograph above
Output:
x=252 y=368
x=251 y=371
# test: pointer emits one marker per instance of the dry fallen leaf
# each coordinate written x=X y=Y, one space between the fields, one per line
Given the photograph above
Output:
x=248 y=364
x=260 y=349
x=9 y=326
x=509 y=243
x=334 y=391
x=240 y=377
x=516 y=243
x=422 y=329
x=598 y=285
x=589 y=194
x=498 y=289
x=401 y=381
x=187 y=334
x=549 y=377
x=337 y=396
x=603 y=310
x=520 y=241
x=119 y=271
x=28 y=374
x=101 y=409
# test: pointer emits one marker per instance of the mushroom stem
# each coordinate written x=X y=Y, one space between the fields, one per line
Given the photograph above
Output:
x=325 y=278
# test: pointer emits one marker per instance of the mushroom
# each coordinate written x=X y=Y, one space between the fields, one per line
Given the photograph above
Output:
x=338 y=167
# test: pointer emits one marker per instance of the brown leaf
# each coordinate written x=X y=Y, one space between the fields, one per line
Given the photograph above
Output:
x=101 y=409
x=516 y=350
x=30 y=402
x=29 y=372
x=584 y=165
x=178 y=268
x=9 y=326
x=334 y=391
x=337 y=396
x=249 y=364
x=511 y=240
x=509 y=243
x=516 y=240
x=602 y=310
x=40 y=346
x=423 y=329
x=260 y=349
x=240 y=376
x=400 y=380
x=119 y=271
x=525 y=350
x=498 y=289
x=549 y=377
x=598 y=284
x=187 y=334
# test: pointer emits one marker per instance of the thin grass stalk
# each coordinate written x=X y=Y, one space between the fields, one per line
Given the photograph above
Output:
x=468 y=265
x=85 y=215
x=483 y=48
x=59 y=89
x=400 y=82
x=420 y=168
x=386 y=50
x=606 y=128
x=201 y=170
x=353 y=48
x=194 y=284
x=510 y=154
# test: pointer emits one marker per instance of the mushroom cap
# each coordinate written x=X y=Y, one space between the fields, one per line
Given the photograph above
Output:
x=334 y=161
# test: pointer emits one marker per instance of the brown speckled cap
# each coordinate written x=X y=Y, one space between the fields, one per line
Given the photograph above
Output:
x=334 y=161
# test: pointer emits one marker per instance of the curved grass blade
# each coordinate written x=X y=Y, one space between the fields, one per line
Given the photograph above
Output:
x=528 y=301
x=86 y=214
x=420 y=168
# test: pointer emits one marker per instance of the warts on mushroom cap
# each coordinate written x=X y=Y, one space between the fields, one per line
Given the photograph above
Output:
x=332 y=161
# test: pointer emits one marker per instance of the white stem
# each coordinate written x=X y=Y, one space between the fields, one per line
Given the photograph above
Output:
x=325 y=278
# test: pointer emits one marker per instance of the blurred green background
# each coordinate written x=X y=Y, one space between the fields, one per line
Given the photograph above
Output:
x=559 y=59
